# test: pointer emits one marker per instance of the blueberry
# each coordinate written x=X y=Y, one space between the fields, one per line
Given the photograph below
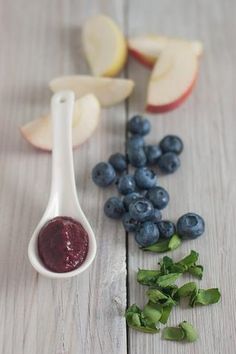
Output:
x=118 y=161
x=147 y=234
x=145 y=178
x=135 y=141
x=157 y=216
x=159 y=197
x=113 y=208
x=129 y=198
x=190 y=226
x=126 y=184
x=137 y=157
x=103 y=174
x=139 y=125
x=141 y=210
x=166 y=228
x=153 y=152
x=172 y=143
x=169 y=162
x=130 y=225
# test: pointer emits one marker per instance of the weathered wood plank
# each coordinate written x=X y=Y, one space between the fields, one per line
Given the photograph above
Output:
x=206 y=181
x=40 y=40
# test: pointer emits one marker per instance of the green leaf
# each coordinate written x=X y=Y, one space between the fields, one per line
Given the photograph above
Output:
x=133 y=309
x=136 y=319
x=196 y=270
x=156 y=295
x=165 y=280
x=166 y=313
x=189 y=260
x=173 y=333
x=164 y=246
x=165 y=265
x=174 y=242
x=206 y=297
x=147 y=277
x=158 y=247
x=186 y=290
x=190 y=333
x=152 y=312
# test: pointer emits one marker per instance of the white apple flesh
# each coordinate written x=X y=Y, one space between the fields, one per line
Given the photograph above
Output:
x=85 y=121
x=172 y=78
x=147 y=49
x=108 y=91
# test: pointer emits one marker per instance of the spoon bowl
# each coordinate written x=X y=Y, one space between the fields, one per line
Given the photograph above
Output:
x=63 y=200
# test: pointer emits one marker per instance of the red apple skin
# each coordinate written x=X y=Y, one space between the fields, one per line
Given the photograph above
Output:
x=171 y=106
x=141 y=58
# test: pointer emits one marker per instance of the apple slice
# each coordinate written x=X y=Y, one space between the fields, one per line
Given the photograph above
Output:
x=172 y=78
x=107 y=90
x=86 y=118
x=147 y=49
x=104 y=45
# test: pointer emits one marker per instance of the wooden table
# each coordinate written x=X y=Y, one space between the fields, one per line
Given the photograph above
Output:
x=41 y=40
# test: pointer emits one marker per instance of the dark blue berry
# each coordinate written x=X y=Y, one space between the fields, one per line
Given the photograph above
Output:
x=157 y=216
x=114 y=208
x=190 y=226
x=137 y=157
x=130 y=225
x=159 y=197
x=126 y=184
x=166 y=228
x=169 y=162
x=172 y=143
x=145 y=178
x=135 y=142
x=139 y=125
x=118 y=161
x=103 y=174
x=153 y=152
x=129 y=198
x=147 y=234
x=141 y=210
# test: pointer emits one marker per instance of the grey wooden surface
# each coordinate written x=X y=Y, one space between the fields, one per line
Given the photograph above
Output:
x=40 y=40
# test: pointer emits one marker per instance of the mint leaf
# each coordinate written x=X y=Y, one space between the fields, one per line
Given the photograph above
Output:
x=205 y=297
x=147 y=277
x=196 y=270
x=187 y=264
x=174 y=242
x=166 y=313
x=164 y=246
x=189 y=260
x=166 y=280
x=156 y=295
x=186 y=290
x=165 y=265
x=152 y=312
x=173 y=333
x=137 y=320
x=190 y=333
x=158 y=247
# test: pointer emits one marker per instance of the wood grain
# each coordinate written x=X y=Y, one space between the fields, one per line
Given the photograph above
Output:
x=40 y=40
x=206 y=181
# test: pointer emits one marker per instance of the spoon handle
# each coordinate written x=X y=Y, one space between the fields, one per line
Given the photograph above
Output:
x=63 y=188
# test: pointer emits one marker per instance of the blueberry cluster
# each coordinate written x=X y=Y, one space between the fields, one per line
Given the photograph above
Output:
x=140 y=208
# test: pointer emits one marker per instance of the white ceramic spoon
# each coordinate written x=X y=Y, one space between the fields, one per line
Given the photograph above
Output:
x=63 y=199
